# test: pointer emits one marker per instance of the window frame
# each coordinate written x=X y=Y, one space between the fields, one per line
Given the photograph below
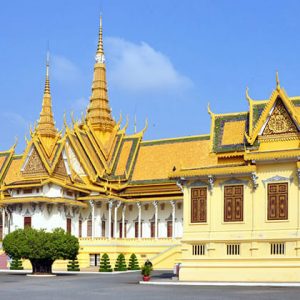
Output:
x=277 y=219
x=198 y=221
x=235 y=220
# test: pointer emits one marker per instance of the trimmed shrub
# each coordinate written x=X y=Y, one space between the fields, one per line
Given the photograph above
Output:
x=133 y=262
x=73 y=265
x=120 y=263
x=16 y=264
x=105 y=264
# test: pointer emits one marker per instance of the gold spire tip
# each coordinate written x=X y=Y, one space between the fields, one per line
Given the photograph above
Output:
x=277 y=80
x=47 y=82
x=100 y=39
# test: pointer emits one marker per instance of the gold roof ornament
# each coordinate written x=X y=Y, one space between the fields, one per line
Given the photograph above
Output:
x=99 y=111
x=277 y=81
x=46 y=124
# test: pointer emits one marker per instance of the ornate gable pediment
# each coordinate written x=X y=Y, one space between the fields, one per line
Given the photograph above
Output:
x=279 y=117
x=280 y=121
x=34 y=164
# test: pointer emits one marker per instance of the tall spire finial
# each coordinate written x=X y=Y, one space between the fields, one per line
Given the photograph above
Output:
x=47 y=82
x=46 y=125
x=99 y=111
x=100 y=52
x=277 y=81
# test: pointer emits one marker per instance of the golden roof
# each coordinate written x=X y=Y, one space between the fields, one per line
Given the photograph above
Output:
x=14 y=170
x=271 y=155
x=215 y=170
x=234 y=132
x=157 y=159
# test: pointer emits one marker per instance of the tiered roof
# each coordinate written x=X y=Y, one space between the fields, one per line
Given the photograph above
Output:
x=97 y=159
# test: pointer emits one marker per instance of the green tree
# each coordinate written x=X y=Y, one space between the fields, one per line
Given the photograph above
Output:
x=73 y=265
x=120 y=263
x=105 y=264
x=16 y=264
x=133 y=262
x=41 y=248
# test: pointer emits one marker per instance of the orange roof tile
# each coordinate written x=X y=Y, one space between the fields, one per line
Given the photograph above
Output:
x=234 y=132
x=125 y=151
x=156 y=160
x=14 y=171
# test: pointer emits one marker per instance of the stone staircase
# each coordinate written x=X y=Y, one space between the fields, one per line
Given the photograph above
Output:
x=167 y=258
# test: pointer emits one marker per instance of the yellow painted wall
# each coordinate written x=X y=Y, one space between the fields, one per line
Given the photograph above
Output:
x=254 y=233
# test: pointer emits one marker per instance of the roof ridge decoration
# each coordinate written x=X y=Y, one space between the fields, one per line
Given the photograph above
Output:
x=277 y=94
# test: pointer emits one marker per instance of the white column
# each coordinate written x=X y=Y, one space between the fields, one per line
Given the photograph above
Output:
x=155 y=203
x=100 y=220
x=116 y=218
x=3 y=223
x=173 y=204
x=139 y=219
x=123 y=220
x=92 y=204
x=110 y=204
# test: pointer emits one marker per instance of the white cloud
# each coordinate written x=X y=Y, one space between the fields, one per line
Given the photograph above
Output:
x=139 y=67
x=63 y=69
x=15 y=119
x=80 y=104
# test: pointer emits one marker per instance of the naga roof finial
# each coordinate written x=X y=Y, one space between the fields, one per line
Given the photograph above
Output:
x=209 y=110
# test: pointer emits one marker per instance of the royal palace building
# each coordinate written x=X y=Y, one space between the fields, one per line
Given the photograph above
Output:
x=225 y=205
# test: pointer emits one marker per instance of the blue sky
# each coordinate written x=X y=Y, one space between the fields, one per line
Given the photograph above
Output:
x=165 y=59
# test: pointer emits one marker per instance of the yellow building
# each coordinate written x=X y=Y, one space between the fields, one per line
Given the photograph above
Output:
x=224 y=204
x=241 y=211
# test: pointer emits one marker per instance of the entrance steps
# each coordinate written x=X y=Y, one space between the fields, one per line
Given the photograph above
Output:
x=167 y=257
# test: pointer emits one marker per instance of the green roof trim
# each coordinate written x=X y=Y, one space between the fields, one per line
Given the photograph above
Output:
x=296 y=102
x=129 y=160
x=176 y=140
x=257 y=110
x=219 y=129
x=152 y=181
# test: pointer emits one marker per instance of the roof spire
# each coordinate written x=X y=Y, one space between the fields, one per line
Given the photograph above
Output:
x=46 y=126
x=100 y=52
x=277 y=81
x=47 y=82
x=99 y=111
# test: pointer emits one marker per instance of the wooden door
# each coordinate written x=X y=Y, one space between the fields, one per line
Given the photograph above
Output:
x=103 y=228
x=80 y=228
x=27 y=222
x=152 y=229
x=169 y=228
x=89 y=228
x=69 y=225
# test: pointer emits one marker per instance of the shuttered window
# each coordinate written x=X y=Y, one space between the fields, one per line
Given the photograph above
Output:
x=233 y=203
x=277 y=201
x=198 y=205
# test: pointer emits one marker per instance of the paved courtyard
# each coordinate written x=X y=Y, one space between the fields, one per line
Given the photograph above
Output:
x=125 y=286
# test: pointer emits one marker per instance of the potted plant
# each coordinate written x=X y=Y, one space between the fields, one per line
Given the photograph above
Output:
x=146 y=272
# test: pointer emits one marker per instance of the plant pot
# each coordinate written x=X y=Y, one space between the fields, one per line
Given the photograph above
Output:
x=146 y=278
